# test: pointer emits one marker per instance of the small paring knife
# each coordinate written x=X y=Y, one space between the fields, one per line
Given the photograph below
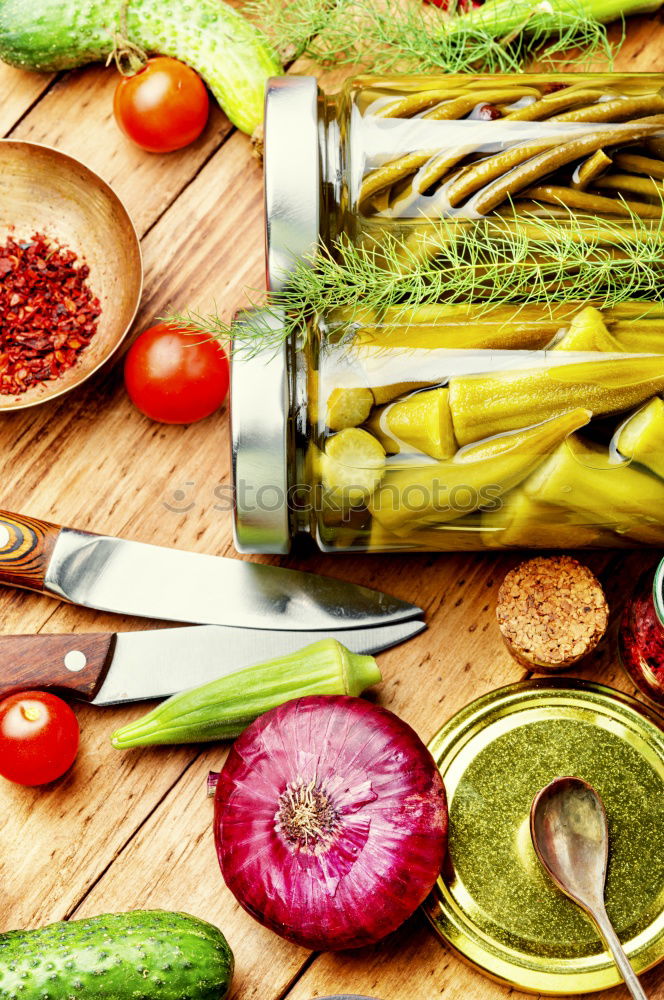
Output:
x=132 y=578
x=109 y=668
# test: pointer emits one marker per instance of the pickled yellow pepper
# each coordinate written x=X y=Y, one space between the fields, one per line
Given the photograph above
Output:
x=484 y=405
x=420 y=494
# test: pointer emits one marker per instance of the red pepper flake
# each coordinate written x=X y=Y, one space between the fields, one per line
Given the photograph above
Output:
x=488 y=113
x=45 y=304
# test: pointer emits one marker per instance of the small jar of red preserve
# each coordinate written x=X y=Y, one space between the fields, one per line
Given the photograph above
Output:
x=642 y=635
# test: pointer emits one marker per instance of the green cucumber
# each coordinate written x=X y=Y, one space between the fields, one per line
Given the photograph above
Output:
x=143 y=955
x=231 y=54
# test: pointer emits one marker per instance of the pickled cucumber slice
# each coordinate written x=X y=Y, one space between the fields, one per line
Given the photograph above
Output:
x=588 y=332
x=642 y=437
x=348 y=408
x=352 y=466
x=580 y=475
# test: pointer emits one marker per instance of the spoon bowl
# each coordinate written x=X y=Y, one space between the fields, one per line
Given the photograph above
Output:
x=570 y=834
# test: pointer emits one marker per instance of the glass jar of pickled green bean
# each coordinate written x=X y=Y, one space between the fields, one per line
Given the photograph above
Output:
x=390 y=156
x=464 y=347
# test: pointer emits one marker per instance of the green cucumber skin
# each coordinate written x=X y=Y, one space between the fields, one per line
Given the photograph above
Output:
x=143 y=955
x=231 y=54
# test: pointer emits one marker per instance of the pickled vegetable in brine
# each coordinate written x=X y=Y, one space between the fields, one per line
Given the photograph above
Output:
x=444 y=427
x=466 y=147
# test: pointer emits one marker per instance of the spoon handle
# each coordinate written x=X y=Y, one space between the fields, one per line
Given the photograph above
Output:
x=615 y=947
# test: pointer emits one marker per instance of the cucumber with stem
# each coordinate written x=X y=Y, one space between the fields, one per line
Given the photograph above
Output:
x=231 y=54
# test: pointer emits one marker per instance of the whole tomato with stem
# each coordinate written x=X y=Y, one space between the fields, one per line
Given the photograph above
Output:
x=176 y=375
x=39 y=738
x=163 y=107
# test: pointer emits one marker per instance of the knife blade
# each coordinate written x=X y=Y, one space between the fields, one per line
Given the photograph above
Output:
x=108 y=668
x=150 y=581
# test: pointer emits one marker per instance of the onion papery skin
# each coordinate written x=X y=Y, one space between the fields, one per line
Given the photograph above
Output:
x=330 y=821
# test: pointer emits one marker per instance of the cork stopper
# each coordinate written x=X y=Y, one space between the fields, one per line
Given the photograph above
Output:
x=551 y=612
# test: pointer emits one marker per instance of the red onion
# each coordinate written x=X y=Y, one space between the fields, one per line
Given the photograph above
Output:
x=330 y=821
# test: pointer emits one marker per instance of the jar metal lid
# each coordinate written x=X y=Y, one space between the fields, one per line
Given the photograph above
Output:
x=292 y=174
x=259 y=406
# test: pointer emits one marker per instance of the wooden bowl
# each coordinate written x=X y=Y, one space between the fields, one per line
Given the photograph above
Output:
x=45 y=191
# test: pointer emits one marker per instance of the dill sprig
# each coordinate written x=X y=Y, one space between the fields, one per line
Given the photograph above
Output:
x=489 y=264
x=387 y=36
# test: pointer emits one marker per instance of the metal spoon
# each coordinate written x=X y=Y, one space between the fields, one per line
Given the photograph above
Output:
x=571 y=838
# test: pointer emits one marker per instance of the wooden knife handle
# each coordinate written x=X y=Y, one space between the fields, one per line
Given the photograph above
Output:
x=74 y=664
x=26 y=546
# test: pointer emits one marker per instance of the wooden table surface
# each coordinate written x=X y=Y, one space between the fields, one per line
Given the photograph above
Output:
x=133 y=830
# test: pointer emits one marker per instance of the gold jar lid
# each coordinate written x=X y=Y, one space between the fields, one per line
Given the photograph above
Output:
x=494 y=904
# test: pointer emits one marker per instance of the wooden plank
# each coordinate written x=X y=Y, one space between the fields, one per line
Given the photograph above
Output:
x=19 y=90
x=123 y=473
x=76 y=116
x=86 y=831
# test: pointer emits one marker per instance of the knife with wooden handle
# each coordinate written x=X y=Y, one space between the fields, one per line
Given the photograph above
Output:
x=132 y=578
x=111 y=668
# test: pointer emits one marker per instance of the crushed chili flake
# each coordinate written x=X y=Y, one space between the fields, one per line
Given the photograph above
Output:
x=48 y=313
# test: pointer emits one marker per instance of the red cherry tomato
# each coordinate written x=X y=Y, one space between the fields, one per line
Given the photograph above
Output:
x=162 y=107
x=39 y=738
x=176 y=376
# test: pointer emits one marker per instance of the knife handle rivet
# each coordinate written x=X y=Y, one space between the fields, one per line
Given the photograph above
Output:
x=75 y=660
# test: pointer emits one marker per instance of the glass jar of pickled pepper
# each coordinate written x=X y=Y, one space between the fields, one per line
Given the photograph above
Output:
x=642 y=635
x=447 y=424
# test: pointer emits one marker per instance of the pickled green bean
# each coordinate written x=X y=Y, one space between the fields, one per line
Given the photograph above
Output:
x=593 y=203
x=590 y=169
x=622 y=109
x=391 y=172
x=461 y=106
x=634 y=185
x=636 y=164
x=539 y=166
x=413 y=104
x=550 y=105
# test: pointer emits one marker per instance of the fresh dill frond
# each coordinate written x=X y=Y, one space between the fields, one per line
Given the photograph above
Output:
x=388 y=36
x=494 y=263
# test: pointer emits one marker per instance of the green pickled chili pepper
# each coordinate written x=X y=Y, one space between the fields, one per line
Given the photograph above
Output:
x=580 y=475
x=222 y=709
x=641 y=438
x=416 y=495
x=483 y=405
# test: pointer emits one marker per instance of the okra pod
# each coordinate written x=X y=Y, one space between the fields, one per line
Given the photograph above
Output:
x=581 y=475
x=641 y=438
x=222 y=709
x=418 y=495
x=495 y=404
